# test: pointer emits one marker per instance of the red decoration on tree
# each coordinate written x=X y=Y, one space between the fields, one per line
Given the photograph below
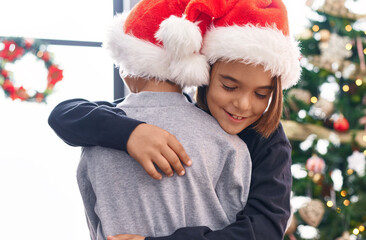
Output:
x=11 y=51
x=341 y=124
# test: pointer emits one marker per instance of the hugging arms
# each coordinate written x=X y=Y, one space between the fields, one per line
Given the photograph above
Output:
x=82 y=123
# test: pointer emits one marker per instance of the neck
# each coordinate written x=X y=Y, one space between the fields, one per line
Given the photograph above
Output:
x=158 y=86
x=152 y=85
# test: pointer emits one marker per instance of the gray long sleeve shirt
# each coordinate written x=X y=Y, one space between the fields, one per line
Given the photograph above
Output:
x=120 y=197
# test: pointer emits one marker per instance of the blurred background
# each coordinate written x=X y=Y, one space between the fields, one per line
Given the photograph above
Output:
x=50 y=51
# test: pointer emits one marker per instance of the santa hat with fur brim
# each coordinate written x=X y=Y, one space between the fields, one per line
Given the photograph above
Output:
x=176 y=39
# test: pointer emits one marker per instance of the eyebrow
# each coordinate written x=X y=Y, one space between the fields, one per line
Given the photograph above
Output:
x=237 y=81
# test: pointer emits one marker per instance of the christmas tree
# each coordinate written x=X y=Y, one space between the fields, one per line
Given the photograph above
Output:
x=324 y=118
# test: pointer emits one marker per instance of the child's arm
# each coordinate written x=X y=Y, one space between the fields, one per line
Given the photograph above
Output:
x=82 y=123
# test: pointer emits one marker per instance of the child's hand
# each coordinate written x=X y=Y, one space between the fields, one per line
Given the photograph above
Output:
x=126 y=237
x=149 y=144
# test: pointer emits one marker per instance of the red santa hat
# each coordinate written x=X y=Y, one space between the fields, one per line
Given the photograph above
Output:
x=255 y=32
x=162 y=39
x=157 y=40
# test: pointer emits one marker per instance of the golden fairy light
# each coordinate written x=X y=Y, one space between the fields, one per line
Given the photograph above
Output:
x=348 y=28
x=364 y=51
x=346 y=202
x=338 y=210
x=330 y=204
x=356 y=231
x=315 y=28
x=345 y=88
x=344 y=193
x=358 y=82
x=314 y=99
x=350 y=171
x=361 y=228
x=348 y=46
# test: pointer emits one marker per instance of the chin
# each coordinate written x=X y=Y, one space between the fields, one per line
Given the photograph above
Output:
x=232 y=131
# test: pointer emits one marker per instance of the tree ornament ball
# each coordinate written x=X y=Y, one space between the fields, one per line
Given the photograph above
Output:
x=315 y=164
x=325 y=106
x=341 y=124
x=324 y=35
x=312 y=212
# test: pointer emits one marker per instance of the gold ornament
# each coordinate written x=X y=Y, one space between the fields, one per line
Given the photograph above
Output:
x=324 y=35
x=306 y=34
x=325 y=106
x=312 y=212
x=298 y=94
x=318 y=178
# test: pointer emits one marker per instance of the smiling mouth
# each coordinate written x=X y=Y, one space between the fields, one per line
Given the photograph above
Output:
x=235 y=118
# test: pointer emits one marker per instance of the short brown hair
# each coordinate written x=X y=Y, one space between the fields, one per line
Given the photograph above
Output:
x=269 y=121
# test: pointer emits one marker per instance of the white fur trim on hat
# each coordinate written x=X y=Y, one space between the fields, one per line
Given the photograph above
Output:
x=267 y=46
x=178 y=60
x=179 y=36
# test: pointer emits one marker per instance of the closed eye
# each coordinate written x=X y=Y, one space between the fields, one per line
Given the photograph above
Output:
x=227 y=88
x=261 y=96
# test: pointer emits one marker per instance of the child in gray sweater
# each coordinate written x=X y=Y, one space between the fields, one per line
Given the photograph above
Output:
x=119 y=197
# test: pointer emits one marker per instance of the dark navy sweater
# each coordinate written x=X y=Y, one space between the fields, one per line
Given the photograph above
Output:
x=82 y=123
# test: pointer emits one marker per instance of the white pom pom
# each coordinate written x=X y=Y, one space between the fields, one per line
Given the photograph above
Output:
x=179 y=36
x=191 y=71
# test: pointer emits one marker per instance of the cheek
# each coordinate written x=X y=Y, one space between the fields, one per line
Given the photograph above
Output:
x=260 y=106
x=217 y=97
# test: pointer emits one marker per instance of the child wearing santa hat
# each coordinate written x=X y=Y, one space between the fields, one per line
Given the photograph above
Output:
x=250 y=35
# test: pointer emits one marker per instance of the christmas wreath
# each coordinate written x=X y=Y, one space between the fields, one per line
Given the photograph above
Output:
x=13 y=49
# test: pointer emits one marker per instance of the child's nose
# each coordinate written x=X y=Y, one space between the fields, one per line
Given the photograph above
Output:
x=243 y=103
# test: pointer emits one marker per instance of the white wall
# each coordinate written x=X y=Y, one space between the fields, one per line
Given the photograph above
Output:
x=39 y=198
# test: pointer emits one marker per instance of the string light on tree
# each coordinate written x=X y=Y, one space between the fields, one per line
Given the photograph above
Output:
x=345 y=88
x=348 y=28
x=343 y=193
x=313 y=99
x=349 y=46
x=358 y=82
